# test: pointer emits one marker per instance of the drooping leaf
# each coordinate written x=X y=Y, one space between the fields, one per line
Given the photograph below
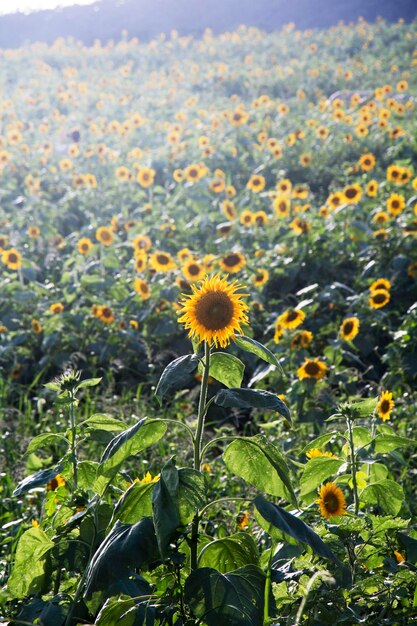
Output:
x=36 y=480
x=176 y=374
x=229 y=553
x=260 y=463
x=165 y=504
x=129 y=442
x=294 y=527
x=251 y=398
x=387 y=442
x=235 y=599
x=251 y=345
x=135 y=503
x=116 y=612
x=29 y=567
x=45 y=440
x=387 y=494
x=316 y=471
x=101 y=421
x=125 y=548
x=192 y=493
x=89 y=382
x=225 y=368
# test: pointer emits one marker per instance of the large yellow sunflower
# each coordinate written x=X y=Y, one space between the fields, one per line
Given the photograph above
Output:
x=385 y=405
x=331 y=500
x=349 y=328
x=312 y=368
x=214 y=312
x=232 y=262
x=291 y=318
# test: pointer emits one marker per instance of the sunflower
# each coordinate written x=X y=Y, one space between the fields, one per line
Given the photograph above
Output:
x=142 y=288
x=385 y=405
x=141 y=261
x=291 y=318
x=141 y=243
x=105 y=314
x=305 y=160
x=229 y=209
x=238 y=118
x=193 y=173
x=284 y=186
x=146 y=176
x=367 y=162
x=300 y=227
x=256 y=183
x=12 y=258
x=282 y=205
x=260 y=218
x=36 y=327
x=395 y=204
x=178 y=175
x=232 y=262
x=312 y=368
x=193 y=271
x=380 y=283
x=215 y=311
x=372 y=188
x=33 y=232
x=104 y=235
x=331 y=501
x=84 y=245
x=352 y=193
x=381 y=218
x=123 y=173
x=313 y=453
x=394 y=174
x=336 y=199
x=185 y=255
x=379 y=298
x=217 y=185
x=4 y=242
x=301 y=339
x=56 y=308
x=246 y=218
x=162 y=262
x=260 y=278
x=56 y=482
x=349 y=328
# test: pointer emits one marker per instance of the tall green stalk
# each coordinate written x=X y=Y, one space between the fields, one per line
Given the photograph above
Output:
x=353 y=465
x=74 y=458
x=202 y=409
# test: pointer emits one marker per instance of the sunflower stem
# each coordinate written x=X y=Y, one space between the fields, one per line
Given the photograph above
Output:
x=202 y=410
x=353 y=465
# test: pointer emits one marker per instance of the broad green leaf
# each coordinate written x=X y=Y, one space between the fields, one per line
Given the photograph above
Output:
x=89 y=382
x=253 y=346
x=320 y=442
x=235 y=599
x=229 y=553
x=251 y=398
x=316 y=471
x=125 y=548
x=116 y=612
x=100 y=421
x=294 y=527
x=191 y=493
x=410 y=545
x=87 y=471
x=43 y=441
x=387 y=494
x=128 y=443
x=37 y=480
x=260 y=463
x=176 y=374
x=135 y=503
x=386 y=443
x=165 y=504
x=361 y=436
x=29 y=565
x=360 y=408
x=225 y=368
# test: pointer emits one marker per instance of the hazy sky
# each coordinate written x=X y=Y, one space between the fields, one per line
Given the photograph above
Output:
x=11 y=6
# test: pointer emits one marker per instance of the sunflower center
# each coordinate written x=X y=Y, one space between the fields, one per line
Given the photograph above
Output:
x=231 y=260
x=379 y=297
x=291 y=316
x=348 y=327
x=395 y=204
x=384 y=407
x=214 y=310
x=162 y=259
x=350 y=193
x=12 y=257
x=193 y=270
x=331 y=503
x=312 y=369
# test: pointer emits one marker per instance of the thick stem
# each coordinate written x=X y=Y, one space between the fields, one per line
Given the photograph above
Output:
x=73 y=439
x=267 y=589
x=202 y=409
x=353 y=466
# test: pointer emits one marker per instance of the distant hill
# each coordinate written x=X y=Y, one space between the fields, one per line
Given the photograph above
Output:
x=106 y=19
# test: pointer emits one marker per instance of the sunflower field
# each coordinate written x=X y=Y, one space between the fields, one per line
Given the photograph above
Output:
x=208 y=329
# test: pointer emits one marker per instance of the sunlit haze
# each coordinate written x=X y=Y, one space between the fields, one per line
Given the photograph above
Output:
x=12 y=6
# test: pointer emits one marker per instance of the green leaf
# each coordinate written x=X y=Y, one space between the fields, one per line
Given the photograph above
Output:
x=251 y=345
x=135 y=503
x=129 y=442
x=386 y=443
x=124 y=549
x=294 y=527
x=359 y=409
x=176 y=374
x=387 y=494
x=316 y=471
x=225 y=368
x=192 y=493
x=361 y=436
x=29 y=566
x=87 y=471
x=89 y=382
x=260 y=463
x=43 y=441
x=37 y=480
x=319 y=442
x=251 y=398
x=100 y=421
x=229 y=553
x=235 y=599
x=165 y=504
x=117 y=612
